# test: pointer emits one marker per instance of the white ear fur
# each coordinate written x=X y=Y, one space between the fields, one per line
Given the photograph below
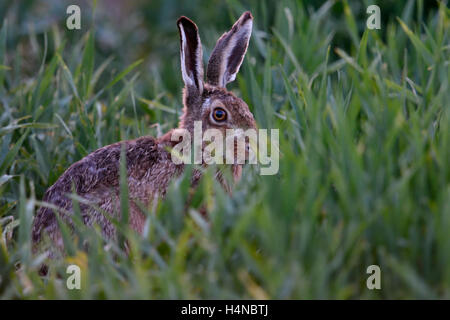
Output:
x=191 y=54
x=242 y=35
x=229 y=52
x=186 y=78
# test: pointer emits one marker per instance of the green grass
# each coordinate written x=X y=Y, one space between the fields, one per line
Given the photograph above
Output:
x=364 y=138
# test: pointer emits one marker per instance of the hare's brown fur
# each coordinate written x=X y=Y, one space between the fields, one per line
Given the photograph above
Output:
x=95 y=178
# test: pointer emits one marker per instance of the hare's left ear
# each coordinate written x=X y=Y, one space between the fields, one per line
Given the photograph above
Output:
x=191 y=55
x=229 y=52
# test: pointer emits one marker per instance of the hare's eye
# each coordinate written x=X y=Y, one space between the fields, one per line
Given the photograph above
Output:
x=219 y=114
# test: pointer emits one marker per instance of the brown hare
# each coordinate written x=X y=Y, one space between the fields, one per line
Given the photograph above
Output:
x=149 y=164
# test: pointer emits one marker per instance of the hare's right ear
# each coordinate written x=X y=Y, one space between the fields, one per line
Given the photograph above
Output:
x=191 y=54
x=229 y=52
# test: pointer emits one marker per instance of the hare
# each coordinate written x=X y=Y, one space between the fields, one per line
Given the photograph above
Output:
x=149 y=165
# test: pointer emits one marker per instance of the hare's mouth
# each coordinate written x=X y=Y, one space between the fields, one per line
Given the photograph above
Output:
x=237 y=172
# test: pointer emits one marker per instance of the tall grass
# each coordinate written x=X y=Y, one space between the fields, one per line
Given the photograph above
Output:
x=364 y=168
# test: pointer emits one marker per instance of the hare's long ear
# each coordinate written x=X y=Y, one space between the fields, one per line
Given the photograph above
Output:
x=229 y=52
x=191 y=54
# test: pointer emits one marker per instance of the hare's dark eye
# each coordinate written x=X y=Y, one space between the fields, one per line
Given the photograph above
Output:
x=219 y=114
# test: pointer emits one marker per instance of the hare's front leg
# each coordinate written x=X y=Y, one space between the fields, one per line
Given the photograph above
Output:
x=136 y=218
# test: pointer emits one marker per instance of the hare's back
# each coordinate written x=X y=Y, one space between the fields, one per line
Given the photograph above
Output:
x=96 y=178
x=101 y=167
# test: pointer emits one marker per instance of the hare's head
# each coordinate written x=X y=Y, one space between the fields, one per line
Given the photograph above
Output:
x=209 y=101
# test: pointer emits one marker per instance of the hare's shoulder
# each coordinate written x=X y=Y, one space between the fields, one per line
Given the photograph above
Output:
x=101 y=167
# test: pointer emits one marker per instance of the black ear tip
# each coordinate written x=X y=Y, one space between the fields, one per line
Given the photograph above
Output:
x=186 y=22
x=181 y=19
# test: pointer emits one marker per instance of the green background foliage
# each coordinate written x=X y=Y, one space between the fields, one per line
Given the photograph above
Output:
x=364 y=141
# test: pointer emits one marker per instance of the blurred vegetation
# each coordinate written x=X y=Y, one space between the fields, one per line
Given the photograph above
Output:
x=364 y=135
